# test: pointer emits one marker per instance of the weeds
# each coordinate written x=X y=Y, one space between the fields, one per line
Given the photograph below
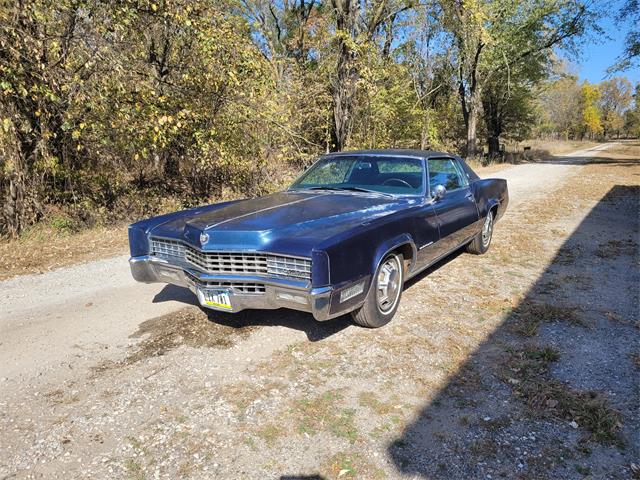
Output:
x=527 y=371
x=615 y=248
x=528 y=318
x=323 y=413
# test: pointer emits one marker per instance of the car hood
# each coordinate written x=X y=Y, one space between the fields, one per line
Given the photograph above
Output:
x=281 y=222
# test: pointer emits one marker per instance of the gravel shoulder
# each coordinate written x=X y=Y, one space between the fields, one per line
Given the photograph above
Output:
x=106 y=378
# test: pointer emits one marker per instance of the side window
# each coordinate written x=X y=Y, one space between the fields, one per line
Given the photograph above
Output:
x=463 y=175
x=445 y=171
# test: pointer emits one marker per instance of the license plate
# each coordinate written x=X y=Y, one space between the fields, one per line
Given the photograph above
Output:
x=215 y=298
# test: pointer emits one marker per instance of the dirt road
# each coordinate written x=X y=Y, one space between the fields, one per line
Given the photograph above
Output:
x=485 y=372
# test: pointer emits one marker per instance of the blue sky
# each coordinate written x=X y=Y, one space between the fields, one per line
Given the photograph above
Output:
x=598 y=55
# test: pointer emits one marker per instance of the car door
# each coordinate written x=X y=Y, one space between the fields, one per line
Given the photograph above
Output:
x=456 y=211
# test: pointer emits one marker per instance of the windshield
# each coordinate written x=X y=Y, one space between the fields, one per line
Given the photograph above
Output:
x=395 y=175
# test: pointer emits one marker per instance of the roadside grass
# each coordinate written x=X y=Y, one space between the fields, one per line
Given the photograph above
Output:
x=46 y=247
x=526 y=371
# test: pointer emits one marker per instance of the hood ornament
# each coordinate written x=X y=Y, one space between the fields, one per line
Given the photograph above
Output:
x=204 y=238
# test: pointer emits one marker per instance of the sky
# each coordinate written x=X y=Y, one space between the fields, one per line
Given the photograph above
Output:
x=598 y=55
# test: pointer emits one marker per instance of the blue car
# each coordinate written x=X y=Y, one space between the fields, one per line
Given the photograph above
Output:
x=344 y=238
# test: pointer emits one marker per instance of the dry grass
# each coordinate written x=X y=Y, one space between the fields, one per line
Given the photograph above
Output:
x=546 y=148
x=371 y=401
x=270 y=433
x=352 y=465
x=45 y=248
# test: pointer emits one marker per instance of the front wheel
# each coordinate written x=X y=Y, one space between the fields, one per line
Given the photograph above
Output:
x=384 y=294
x=480 y=244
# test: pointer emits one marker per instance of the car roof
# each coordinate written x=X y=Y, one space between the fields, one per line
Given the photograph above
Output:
x=399 y=152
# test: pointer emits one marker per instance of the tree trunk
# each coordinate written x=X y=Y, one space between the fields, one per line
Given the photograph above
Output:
x=343 y=89
x=472 y=127
x=494 y=146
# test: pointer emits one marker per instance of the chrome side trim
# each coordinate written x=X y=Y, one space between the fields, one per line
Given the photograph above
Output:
x=425 y=245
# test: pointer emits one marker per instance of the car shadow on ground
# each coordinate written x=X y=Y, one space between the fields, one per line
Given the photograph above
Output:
x=564 y=354
x=292 y=319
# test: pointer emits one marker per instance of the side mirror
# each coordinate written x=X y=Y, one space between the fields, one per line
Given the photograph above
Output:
x=439 y=191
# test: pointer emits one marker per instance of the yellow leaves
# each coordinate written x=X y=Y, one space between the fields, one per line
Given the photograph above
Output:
x=154 y=7
x=592 y=122
x=6 y=124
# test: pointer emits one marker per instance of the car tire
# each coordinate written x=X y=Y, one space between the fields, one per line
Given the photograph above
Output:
x=482 y=241
x=382 y=302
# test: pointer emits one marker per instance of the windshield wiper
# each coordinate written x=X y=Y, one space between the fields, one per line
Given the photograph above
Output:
x=352 y=189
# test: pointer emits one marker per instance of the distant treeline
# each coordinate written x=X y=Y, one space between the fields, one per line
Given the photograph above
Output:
x=110 y=108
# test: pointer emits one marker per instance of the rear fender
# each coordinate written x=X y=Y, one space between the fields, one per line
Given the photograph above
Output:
x=489 y=193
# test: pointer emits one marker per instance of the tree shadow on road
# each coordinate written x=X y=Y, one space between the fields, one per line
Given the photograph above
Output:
x=553 y=391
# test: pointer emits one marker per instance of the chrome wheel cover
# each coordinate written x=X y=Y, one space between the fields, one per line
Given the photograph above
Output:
x=388 y=284
x=487 y=230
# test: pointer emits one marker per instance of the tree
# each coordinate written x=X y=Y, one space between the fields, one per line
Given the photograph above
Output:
x=559 y=107
x=491 y=36
x=616 y=98
x=629 y=12
x=591 y=121
x=632 y=116
x=47 y=61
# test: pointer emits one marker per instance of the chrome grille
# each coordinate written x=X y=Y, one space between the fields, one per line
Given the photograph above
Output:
x=167 y=248
x=233 y=263
x=288 y=266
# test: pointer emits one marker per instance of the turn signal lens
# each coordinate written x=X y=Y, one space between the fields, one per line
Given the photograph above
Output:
x=351 y=292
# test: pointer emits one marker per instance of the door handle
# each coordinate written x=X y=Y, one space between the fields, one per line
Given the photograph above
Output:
x=470 y=196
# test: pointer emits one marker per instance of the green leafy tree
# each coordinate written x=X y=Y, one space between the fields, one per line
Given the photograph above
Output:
x=488 y=37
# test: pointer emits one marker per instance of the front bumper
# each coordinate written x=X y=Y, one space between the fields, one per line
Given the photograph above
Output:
x=278 y=292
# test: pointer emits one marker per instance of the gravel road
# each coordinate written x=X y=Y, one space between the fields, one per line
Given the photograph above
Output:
x=103 y=377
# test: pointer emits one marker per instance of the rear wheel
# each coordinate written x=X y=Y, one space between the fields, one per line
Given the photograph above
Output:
x=480 y=244
x=384 y=294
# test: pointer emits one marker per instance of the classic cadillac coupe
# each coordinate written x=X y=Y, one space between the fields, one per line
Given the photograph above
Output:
x=345 y=237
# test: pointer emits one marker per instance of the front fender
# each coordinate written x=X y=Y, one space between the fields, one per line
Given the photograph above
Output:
x=392 y=244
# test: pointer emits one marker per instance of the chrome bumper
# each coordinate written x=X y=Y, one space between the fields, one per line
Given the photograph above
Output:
x=279 y=292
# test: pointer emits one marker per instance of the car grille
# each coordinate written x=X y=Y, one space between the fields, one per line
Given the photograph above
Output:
x=233 y=262
x=240 y=287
